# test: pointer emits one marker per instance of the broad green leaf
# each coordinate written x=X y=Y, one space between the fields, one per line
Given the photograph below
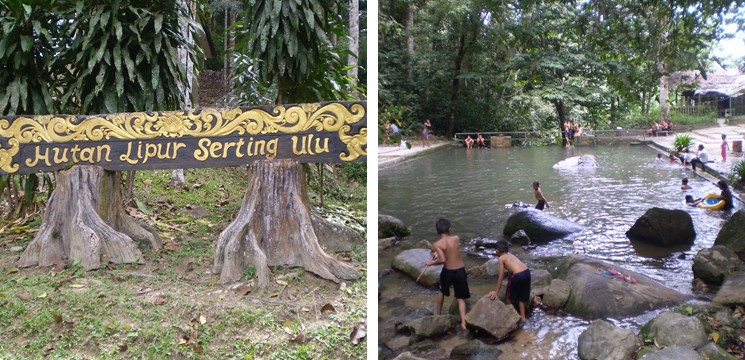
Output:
x=3 y=46
x=155 y=76
x=117 y=53
x=13 y=89
x=118 y=29
x=110 y=101
x=26 y=42
x=27 y=9
x=158 y=23
x=32 y=182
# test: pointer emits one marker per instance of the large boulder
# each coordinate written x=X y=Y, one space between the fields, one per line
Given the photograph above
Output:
x=672 y=328
x=575 y=162
x=603 y=340
x=428 y=326
x=475 y=350
x=732 y=235
x=540 y=226
x=663 y=227
x=494 y=317
x=596 y=294
x=672 y=352
x=732 y=291
x=713 y=265
x=712 y=351
x=557 y=294
x=411 y=263
x=389 y=226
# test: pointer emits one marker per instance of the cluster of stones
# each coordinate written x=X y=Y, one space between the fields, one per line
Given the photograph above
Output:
x=573 y=286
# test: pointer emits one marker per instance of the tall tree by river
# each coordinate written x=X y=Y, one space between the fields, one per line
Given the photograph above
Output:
x=534 y=65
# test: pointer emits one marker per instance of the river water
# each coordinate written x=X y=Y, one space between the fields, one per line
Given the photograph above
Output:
x=474 y=189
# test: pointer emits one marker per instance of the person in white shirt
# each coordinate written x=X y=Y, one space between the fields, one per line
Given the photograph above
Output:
x=701 y=158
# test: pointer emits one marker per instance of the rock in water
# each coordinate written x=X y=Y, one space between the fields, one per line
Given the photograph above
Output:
x=539 y=226
x=575 y=162
x=411 y=262
x=493 y=316
x=597 y=294
x=663 y=227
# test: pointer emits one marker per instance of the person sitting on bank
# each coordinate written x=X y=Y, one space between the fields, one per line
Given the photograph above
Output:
x=480 y=141
x=701 y=158
x=469 y=142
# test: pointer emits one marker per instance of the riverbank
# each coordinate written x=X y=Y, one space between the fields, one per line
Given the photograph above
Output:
x=711 y=138
x=389 y=155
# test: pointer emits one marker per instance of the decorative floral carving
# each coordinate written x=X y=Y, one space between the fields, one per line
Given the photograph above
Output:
x=207 y=122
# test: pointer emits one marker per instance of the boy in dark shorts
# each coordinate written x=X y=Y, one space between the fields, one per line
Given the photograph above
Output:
x=446 y=252
x=539 y=196
x=518 y=286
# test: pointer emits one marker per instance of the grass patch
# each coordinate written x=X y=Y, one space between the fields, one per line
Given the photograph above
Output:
x=173 y=306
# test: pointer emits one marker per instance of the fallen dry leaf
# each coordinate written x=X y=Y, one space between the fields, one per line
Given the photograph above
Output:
x=358 y=334
x=171 y=246
x=282 y=282
x=24 y=296
x=77 y=286
x=159 y=300
x=42 y=296
x=243 y=290
x=300 y=338
x=57 y=318
x=202 y=319
x=198 y=349
x=714 y=324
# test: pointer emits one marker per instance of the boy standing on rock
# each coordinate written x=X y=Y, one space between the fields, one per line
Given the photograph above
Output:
x=518 y=286
x=446 y=251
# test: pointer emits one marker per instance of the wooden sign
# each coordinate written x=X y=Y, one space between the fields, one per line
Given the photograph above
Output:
x=320 y=132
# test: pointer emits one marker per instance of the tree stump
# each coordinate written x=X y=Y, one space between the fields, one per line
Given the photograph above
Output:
x=275 y=226
x=84 y=220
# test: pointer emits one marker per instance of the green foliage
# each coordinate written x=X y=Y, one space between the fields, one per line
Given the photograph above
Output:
x=124 y=56
x=356 y=171
x=737 y=176
x=682 y=141
x=521 y=66
x=248 y=89
x=288 y=41
x=30 y=37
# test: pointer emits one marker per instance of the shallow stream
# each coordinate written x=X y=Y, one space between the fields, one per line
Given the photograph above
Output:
x=475 y=189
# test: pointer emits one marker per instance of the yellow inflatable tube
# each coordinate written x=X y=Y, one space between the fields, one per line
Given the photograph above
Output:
x=711 y=202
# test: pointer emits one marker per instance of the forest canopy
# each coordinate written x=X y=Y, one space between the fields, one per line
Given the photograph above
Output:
x=476 y=65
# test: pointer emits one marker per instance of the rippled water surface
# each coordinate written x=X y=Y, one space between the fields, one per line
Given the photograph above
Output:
x=473 y=189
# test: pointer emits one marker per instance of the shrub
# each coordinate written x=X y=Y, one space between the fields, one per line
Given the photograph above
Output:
x=682 y=141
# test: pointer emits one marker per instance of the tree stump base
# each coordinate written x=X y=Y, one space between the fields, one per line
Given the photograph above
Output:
x=275 y=227
x=84 y=220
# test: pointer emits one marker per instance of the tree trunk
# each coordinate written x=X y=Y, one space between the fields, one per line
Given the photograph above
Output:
x=85 y=221
x=664 y=94
x=562 y=115
x=275 y=226
x=456 y=84
x=410 y=39
x=354 y=40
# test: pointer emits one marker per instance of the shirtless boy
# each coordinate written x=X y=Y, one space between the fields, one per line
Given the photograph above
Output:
x=446 y=251
x=518 y=286
x=539 y=196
